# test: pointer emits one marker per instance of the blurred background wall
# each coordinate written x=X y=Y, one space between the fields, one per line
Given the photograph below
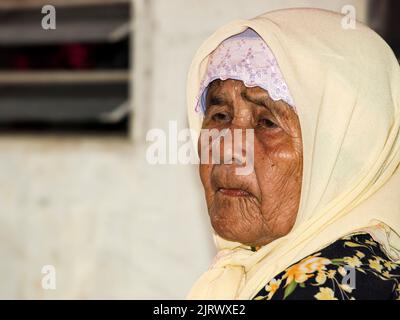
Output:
x=76 y=191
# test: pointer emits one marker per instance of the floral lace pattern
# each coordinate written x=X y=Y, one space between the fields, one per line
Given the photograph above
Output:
x=245 y=57
x=324 y=275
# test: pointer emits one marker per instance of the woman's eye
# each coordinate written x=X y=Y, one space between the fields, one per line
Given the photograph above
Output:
x=267 y=123
x=221 y=117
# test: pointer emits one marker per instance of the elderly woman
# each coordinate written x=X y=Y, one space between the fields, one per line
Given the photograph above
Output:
x=318 y=216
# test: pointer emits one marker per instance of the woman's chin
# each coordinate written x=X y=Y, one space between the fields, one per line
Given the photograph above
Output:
x=231 y=228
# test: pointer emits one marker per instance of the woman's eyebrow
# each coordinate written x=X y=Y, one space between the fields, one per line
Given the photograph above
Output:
x=214 y=101
x=217 y=99
x=261 y=100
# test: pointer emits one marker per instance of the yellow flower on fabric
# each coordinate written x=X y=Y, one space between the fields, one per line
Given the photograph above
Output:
x=386 y=274
x=353 y=261
x=371 y=243
x=360 y=254
x=325 y=294
x=320 y=278
x=331 y=274
x=272 y=286
x=390 y=265
x=352 y=244
x=342 y=271
x=304 y=270
x=346 y=288
x=375 y=264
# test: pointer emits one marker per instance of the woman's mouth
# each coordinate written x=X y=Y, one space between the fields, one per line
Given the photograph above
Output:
x=234 y=192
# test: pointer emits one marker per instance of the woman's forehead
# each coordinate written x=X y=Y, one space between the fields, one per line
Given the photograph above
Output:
x=223 y=90
x=218 y=86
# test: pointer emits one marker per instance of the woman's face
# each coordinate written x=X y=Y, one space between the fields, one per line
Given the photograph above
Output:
x=260 y=207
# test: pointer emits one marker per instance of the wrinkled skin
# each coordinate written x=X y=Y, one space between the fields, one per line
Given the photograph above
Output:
x=260 y=207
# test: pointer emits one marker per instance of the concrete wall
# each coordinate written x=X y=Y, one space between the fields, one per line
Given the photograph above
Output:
x=112 y=225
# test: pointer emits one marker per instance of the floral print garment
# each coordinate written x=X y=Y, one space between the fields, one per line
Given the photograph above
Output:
x=354 y=267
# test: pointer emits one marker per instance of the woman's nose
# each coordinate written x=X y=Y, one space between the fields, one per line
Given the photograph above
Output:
x=242 y=119
x=233 y=146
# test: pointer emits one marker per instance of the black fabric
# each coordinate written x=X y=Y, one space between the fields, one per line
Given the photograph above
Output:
x=326 y=274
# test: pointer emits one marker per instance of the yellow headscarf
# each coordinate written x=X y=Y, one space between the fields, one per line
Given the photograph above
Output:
x=346 y=88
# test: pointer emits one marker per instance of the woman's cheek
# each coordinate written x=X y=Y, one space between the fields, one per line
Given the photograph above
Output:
x=277 y=147
x=277 y=168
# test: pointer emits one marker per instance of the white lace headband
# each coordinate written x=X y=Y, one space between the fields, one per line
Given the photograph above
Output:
x=245 y=57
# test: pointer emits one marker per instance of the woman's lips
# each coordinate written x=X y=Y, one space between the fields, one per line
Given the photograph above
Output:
x=234 y=192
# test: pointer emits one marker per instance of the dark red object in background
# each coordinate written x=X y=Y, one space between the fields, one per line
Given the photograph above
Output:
x=74 y=56
x=67 y=56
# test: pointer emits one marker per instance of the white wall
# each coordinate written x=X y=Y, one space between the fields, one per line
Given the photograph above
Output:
x=112 y=225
